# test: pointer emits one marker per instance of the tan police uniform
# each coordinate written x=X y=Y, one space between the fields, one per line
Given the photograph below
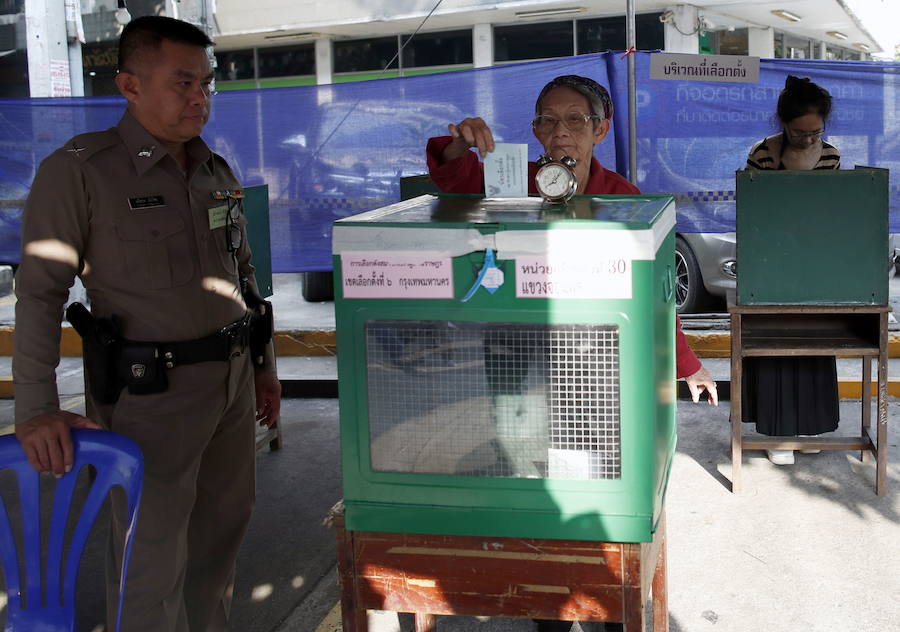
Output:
x=116 y=209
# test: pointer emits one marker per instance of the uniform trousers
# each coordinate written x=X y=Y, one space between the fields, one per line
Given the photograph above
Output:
x=198 y=440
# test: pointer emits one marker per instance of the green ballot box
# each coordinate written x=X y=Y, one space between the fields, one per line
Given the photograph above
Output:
x=506 y=367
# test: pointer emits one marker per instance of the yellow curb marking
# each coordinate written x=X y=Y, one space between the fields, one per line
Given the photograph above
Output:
x=324 y=342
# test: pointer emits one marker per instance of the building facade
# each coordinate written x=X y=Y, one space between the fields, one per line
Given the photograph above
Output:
x=271 y=43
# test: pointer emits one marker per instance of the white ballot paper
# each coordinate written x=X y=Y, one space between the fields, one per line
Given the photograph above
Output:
x=506 y=171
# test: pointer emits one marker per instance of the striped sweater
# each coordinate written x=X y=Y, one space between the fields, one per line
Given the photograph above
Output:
x=766 y=155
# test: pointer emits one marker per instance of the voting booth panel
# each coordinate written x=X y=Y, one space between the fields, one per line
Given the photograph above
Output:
x=812 y=237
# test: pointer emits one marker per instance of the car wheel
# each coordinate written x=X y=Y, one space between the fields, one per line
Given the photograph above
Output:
x=690 y=294
x=317 y=286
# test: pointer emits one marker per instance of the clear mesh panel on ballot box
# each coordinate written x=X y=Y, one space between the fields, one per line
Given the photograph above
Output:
x=494 y=399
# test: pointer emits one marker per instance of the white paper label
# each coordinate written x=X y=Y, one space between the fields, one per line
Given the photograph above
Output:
x=493 y=278
x=414 y=275
x=598 y=277
x=60 y=82
x=685 y=67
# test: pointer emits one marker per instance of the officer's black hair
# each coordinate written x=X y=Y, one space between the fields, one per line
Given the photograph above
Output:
x=148 y=32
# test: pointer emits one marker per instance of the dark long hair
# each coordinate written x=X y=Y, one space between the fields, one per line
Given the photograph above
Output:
x=801 y=96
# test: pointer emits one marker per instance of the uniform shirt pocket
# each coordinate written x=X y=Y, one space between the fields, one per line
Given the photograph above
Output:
x=156 y=248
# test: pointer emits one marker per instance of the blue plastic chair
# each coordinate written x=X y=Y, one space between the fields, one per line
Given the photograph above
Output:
x=49 y=595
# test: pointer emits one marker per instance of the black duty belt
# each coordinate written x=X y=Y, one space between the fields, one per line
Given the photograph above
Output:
x=215 y=347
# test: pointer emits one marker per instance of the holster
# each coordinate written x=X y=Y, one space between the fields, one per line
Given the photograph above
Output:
x=101 y=345
x=262 y=325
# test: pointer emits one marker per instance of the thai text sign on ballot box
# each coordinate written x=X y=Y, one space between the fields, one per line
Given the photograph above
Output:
x=545 y=277
x=409 y=275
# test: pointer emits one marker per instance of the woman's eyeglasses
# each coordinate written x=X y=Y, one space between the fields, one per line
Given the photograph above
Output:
x=574 y=122
x=806 y=135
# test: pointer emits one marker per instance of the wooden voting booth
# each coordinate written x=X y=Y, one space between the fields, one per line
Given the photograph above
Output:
x=813 y=266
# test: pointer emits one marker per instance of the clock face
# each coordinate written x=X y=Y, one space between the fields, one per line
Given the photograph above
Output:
x=554 y=181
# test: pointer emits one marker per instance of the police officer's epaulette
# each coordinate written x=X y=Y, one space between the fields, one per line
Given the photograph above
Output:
x=219 y=162
x=218 y=159
x=84 y=146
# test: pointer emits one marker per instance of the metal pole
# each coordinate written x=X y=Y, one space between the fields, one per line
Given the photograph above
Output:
x=632 y=96
x=48 y=50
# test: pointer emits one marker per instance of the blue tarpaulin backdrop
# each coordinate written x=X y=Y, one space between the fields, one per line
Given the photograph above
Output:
x=330 y=151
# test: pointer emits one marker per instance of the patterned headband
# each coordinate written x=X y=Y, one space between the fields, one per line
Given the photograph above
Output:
x=584 y=85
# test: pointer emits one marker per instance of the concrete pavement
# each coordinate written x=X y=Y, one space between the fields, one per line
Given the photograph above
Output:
x=805 y=548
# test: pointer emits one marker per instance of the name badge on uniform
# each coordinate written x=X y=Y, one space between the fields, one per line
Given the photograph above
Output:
x=218 y=216
x=146 y=201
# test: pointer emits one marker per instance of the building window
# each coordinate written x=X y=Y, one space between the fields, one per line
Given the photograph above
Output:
x=287 y=61
x=533 y=41
x=447 y=48
x=365 y=54
x=724 y=42
x=602 y=34
x=100 y=61
x=837 y=52
x=797 y=47
x=736 y=42
x=234 y=65
x=12 y=7
x=14 y=75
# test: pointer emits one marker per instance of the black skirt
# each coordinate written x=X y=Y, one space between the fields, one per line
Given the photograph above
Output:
x=788 y=396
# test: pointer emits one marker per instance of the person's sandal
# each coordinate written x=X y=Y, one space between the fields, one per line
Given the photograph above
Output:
x=813 y=451
x=781 y=457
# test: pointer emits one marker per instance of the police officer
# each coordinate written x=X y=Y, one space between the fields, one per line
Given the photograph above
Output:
x=150 y=220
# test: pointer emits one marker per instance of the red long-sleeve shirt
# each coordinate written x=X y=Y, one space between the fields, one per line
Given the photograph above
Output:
x=466 y=175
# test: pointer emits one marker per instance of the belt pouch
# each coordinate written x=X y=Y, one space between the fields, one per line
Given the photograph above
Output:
x=142 y=368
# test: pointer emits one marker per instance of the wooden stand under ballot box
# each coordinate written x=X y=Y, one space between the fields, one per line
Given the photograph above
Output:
x=431 y=575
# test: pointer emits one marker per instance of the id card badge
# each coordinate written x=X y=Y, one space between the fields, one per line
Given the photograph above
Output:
x=218 y=216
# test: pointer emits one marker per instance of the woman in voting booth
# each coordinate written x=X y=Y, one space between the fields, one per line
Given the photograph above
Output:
x=791 y=396
x=572 y=114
